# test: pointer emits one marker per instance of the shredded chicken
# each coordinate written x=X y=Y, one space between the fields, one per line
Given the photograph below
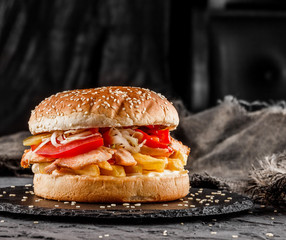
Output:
x=77 y=162
x=30 y=157
x=124 y=158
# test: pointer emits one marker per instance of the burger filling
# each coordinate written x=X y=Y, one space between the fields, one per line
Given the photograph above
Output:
x=117 y=152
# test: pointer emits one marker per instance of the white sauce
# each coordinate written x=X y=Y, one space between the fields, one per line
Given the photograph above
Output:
x=35 y=169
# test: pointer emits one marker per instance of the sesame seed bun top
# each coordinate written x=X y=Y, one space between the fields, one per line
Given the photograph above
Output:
x=103 y=107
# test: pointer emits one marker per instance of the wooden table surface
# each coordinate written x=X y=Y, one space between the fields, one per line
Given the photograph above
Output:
x=260 y=223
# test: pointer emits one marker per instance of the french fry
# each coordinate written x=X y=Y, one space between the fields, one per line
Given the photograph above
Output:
x=105 y=165
x=175 y=164
x=133 y=169
x=117 y=171
x=90 y=170
x=179 y=155
x=36 y=139
x=150 y=163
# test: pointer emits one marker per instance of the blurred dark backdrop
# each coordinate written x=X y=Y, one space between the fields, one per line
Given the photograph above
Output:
x=198 y=51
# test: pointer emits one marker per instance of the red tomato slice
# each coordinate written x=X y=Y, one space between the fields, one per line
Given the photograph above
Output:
x=111 y=161
x=70 y=149
x=163 y=135
x=154 y=141
x=107 y=138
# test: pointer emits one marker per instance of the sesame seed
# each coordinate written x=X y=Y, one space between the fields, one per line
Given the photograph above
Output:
x=269 y=234
x=213 y=233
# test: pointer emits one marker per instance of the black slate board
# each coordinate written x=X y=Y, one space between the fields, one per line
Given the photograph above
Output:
x=200 y=202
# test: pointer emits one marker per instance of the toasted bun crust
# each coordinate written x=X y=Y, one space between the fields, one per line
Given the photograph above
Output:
x=111 y=189
x=103 y=107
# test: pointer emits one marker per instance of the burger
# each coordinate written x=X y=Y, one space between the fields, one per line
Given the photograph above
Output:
x=107 y=144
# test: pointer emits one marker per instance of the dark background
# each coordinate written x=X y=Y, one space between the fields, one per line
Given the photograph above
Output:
x=196 y=51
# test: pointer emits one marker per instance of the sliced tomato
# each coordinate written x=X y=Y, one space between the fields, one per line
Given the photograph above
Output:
x=160 y=139
x=70 y=149
x=107 y=138
x=163 y=135
x=111 y=161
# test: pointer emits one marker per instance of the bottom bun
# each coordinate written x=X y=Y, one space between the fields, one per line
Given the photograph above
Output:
x=166 y=187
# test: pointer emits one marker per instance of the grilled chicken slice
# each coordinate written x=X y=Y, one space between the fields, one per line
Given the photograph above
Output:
x=179 y=146
x=77 y=162
x=29 y=157
x=124 y=158
x=155 y=152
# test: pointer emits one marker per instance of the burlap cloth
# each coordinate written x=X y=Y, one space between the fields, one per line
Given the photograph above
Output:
x=226 y=141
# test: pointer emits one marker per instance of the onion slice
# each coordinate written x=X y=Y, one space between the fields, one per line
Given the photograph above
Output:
x=126 y=139
x=41 y=145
